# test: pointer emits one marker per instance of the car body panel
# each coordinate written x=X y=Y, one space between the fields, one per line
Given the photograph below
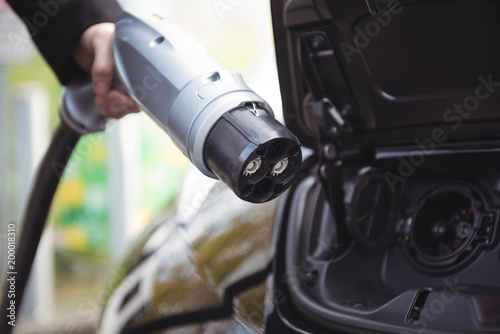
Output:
x=183 y=265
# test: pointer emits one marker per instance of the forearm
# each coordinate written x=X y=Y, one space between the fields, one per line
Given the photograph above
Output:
x=57 y=25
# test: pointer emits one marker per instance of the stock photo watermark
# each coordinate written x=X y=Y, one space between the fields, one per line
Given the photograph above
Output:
x=48 y=10
x=437 y=305
x=11 y=273
x=89 y=311
x=454 y=117
x=223 y=7
x=364 y=36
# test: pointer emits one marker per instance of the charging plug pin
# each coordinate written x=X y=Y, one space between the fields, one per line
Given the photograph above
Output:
x=252 y=167
x=279 y=167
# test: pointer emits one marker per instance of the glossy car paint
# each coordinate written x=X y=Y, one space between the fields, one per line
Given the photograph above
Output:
x=184 y=261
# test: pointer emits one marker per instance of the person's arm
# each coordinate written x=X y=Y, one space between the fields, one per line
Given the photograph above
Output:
x=76 y=35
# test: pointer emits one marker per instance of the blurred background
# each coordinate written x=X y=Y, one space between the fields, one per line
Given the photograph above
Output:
x=117 y=181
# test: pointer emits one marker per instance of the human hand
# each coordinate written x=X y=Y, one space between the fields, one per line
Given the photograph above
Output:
x=94 y=54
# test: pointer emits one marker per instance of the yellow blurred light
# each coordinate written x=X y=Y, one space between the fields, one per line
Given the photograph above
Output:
x=70 y=193
x=74 y=238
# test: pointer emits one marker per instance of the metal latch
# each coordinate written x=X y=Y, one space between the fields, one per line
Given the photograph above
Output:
x=336 y=122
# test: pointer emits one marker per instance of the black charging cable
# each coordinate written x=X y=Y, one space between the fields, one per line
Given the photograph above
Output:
x=33 y=222
x=79 y=116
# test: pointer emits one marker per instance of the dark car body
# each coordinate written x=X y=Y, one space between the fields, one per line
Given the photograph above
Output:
x=392 y=226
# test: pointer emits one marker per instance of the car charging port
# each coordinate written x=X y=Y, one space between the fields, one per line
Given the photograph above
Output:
x=447 y=228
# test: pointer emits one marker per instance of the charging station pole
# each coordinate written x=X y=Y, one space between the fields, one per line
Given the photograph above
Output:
x=33 y=137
